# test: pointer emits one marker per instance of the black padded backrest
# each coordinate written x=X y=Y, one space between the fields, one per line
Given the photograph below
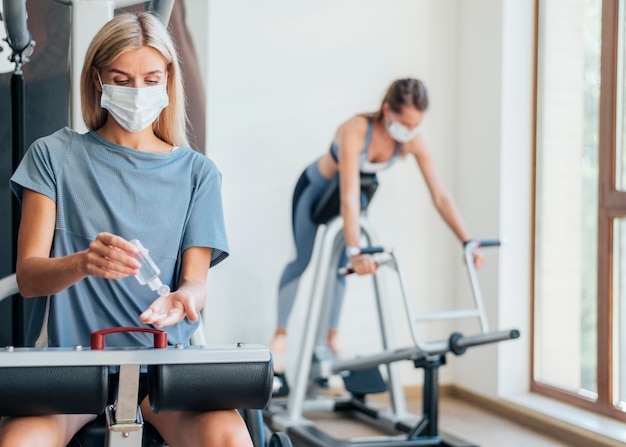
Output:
x=207 y=387
x=33 y=391
x=327 y=206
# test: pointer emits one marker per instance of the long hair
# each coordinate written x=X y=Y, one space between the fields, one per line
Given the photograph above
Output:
x=402 y=92
x=128 y=32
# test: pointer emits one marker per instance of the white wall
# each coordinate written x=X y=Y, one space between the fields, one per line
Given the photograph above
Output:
x=494 y=165
x=515 y=201
x=283 y=75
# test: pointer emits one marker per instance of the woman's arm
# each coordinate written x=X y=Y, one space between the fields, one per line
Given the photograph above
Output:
x=440 y=197
x=190 y=296
x=39 y=275
x=351 y=139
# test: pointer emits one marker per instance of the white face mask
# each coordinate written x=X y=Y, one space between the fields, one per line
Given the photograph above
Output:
x=134 y=108
x=400 y=133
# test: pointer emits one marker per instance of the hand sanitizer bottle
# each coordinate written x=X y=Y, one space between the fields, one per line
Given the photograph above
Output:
x=149 y=271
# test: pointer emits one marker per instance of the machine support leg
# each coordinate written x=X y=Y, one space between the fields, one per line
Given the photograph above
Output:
x=431 y=398
x=17 y=135
x=427 y=426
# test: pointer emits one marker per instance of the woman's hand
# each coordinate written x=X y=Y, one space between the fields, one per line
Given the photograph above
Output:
x=170 y=309
x=110 y=256
x=363 y=264
x=479 y=261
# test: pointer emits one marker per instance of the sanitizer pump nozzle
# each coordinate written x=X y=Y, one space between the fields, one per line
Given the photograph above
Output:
x=149 y=272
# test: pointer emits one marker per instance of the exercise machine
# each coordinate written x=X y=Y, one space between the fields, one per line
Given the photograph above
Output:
x=362 y=376
x=39 y=381
x=100 y=380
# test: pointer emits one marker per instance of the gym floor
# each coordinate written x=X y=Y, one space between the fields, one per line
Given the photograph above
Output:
x=457 y=417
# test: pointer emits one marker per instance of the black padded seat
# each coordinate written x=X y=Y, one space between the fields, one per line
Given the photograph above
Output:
x=241 y=381
x=327 y=206
x=192 y=387
x=35 y=391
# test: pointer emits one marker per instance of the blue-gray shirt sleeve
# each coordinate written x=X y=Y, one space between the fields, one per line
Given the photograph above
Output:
x=35 y=172
x=205 y=226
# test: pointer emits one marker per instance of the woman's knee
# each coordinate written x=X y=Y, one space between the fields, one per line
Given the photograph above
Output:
x=44 y=431
x=30 y=432
x=227 y=429
x=212 y=428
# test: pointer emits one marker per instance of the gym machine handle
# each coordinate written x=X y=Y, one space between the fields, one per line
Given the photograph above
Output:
x=475 y=243
x=97 y=337
x=458 y=343
x=365 y=251
x=372 y=250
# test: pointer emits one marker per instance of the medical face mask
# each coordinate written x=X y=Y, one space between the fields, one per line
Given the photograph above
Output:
x=400 y=133
x=134 y=108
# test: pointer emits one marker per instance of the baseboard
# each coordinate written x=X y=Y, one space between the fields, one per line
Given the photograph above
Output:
x=595 y=431
x=548 y=424
x=416 y=391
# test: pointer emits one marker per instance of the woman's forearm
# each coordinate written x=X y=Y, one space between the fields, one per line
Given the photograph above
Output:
x=450 y=214
x=196 y=288
x=38 y=276
x=351 y=225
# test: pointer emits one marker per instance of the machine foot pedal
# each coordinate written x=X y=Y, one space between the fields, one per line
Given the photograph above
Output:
x=365 y=381
x=280 y=386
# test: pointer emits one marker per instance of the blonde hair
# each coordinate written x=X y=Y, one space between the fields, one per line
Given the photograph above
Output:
x=128 y=32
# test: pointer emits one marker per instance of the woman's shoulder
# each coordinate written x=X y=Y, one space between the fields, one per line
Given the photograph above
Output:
x=201 y=163
x=62 y=135
x=417 y=146
x=56 y=143
x=196 y=156
x=356 y=123
x=355 y=126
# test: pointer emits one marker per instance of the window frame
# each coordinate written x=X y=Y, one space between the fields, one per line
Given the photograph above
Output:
x=611 y=204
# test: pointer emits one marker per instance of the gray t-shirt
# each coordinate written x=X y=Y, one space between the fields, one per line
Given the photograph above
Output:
x=169 y=201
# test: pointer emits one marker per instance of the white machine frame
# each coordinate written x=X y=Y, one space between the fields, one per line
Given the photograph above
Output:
x=124 y=421
x=316 y=364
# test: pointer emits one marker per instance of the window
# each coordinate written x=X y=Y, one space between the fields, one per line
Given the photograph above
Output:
x=579 y=314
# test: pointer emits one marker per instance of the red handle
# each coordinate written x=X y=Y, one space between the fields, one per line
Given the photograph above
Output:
x=97 y=337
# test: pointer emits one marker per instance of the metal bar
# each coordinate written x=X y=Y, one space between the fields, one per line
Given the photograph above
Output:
x=326 y=235
x=329 y=285
x=373 y=360
x=8 y=286
x=18 y=36
x=123 y=434
x=408 y=306
x=478 y=297
x=431 y=398
x=483 y=339
x=447 y=315
x=396 y=390
x=17 y=135
x=43 y=357
x=163 y=8
x=127 y=392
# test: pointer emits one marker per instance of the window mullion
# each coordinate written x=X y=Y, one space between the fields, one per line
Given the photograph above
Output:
x=611 y=203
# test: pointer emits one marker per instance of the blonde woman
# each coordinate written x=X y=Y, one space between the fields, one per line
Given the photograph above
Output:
x=85 y=196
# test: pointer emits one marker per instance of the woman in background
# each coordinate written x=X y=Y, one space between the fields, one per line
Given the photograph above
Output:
x=366 y=143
